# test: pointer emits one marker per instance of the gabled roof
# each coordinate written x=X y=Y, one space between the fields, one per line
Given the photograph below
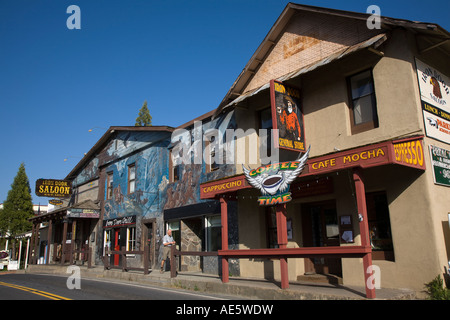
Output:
x=431 y=35
x=106 y=138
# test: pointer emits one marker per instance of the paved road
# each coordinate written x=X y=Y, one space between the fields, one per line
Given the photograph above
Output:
x=54 y=287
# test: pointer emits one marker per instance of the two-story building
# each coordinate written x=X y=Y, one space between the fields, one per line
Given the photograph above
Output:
x=364 y=102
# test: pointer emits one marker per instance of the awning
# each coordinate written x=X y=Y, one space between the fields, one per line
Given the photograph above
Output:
x=85 y=209
x=407 y=152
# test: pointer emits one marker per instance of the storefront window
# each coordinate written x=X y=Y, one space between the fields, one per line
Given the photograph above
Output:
x=213 y=233
x=175 y=227
x=379 y=226
x=131 y=239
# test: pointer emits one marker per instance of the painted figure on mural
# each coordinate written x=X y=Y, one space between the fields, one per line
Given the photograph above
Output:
x=287 y=120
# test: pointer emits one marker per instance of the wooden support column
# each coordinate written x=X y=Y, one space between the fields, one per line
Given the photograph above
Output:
x=224 y=222
x=36 y=243
x=282 y=243
x=364 y=228
x=31 y=253
x=49 y=241
x=63 y=244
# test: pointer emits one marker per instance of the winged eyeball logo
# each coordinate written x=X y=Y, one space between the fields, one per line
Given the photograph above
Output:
x=274 y=180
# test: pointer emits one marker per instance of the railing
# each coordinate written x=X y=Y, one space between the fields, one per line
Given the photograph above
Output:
x=305 y=252
x=174 y=253
x=85 y=254
x=123 y=253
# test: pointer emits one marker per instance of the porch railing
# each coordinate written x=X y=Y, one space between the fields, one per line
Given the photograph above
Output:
x=174 y=253
x=123 y=254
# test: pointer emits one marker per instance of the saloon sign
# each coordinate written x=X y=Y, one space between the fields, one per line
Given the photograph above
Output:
x=53 y=188
x=274 y=180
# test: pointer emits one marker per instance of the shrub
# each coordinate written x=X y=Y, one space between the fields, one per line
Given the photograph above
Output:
x=436 y=289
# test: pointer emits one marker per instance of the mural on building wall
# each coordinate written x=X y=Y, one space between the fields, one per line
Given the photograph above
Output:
x=186 y=191
x=147 y=200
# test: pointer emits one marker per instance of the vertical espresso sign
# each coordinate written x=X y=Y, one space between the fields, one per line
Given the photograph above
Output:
x=53 y=188
x=287 y=117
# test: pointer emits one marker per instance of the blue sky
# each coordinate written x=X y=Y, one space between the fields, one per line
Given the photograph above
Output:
x=180 y=56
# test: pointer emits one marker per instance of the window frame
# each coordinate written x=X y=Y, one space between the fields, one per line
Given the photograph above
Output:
x=130 y=181
x=109 y=185
x=368 y=125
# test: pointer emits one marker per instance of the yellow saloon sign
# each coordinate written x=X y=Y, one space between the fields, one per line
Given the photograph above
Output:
x=53 y=188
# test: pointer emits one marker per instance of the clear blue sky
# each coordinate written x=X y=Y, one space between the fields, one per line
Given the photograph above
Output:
x=180 y=56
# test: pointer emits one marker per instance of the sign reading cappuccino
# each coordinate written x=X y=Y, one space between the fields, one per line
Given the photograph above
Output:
x=53 y=188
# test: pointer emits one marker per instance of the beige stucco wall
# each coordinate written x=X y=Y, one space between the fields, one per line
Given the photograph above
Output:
x=418 y=208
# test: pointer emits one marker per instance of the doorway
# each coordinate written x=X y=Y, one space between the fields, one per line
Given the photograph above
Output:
x=148 y=233
x=321 y=229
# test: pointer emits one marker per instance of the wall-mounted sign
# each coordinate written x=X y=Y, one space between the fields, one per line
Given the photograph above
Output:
x=83 y=213
x=287 y=117
x=275 y=179
x=435 y=96
x=440 y=160
x=119 y=222
x=56 y=202
x=53 y=188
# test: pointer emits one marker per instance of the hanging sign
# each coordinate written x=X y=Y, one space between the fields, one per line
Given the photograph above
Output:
x=435 y=96
x=287 y=117
x=274 y=180
x=53 y=188
x=440 y=160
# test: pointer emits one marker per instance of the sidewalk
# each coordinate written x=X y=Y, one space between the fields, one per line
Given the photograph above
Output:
x=238 y=287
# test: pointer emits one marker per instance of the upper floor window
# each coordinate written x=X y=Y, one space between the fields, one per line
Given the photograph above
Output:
x=363 y=103
x=109 y=186
x=131 y=178
x=174 y=168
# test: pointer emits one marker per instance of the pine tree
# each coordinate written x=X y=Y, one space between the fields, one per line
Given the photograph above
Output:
x=18 y=207
x=144 y=118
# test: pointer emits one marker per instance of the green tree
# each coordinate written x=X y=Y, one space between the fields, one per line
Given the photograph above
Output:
x=144 y=118
x=17 y=208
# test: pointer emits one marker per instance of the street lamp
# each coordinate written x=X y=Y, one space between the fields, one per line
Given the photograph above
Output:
x=91 y=129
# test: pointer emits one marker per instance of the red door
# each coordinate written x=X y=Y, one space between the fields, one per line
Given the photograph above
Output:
x=116 y=246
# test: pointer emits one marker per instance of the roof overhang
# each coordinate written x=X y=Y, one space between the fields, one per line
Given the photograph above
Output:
x=373 y=42
x=429 y=36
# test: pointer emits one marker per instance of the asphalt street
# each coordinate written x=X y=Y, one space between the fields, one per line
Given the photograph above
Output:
x=57 y=287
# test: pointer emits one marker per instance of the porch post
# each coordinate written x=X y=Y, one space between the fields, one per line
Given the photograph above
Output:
x=63 y=244
x=224 y=222
x=49 y=241
x=282 y=243
x=36 y=243
x=364 y=228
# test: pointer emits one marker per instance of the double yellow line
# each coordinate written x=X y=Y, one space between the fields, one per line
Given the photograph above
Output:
x=31 y=290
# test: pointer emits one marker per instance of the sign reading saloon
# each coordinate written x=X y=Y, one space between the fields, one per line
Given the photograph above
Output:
x=53 y=188
x=435 y=96
x=287 y=117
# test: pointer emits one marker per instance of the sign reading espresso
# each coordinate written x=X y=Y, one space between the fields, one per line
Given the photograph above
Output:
x=53 y=188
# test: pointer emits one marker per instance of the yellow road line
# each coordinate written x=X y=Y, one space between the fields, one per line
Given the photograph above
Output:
x=38 y=292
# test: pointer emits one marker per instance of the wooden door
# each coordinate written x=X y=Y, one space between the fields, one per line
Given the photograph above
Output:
x=321 y=229
x=116 y=246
